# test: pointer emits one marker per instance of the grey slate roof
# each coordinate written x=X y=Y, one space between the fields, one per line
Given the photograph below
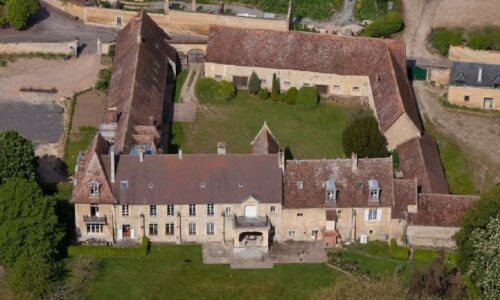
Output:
x=467 y=74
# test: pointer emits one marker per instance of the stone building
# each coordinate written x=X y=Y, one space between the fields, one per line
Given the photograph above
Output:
x=474 y=78
x=372 y=71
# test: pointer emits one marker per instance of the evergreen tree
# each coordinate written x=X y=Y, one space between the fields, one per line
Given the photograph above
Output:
x=363 y=137
x=17 y=156
x=254 y=84
x=275 y=92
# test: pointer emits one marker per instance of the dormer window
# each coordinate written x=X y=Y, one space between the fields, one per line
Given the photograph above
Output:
x=124 y=184
x=374 y=187
x=203 y=185
x=331 y=190
x=94 y=189
x=150 y=186
x=300 y=185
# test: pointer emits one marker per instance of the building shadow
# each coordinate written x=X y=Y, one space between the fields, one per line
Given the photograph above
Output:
x=42 y=14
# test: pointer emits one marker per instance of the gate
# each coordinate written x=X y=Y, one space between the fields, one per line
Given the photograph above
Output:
x=195 y=57
x=418 y=73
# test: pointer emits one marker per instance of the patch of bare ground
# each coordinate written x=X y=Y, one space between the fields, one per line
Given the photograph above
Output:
x=477 y=134
x=89 y=110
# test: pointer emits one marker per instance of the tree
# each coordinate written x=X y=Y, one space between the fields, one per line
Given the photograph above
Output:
x=17 y=156
x=28 y=223
x=224 y=91
x=20 y=11
x=291 y=95
x=363 y=137
x=254 y=84
x=275 y=91
x=484 y=267
x=32 y=276
x=386 y=25
x=307 y=98
x=264 y=94
x=477 y=217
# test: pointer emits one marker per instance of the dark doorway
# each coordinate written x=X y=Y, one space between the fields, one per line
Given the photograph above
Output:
x=322 y=89
x=240 y=82
x=126 y=231
x=195 y=57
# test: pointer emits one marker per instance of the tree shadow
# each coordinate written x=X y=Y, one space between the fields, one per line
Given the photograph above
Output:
x=288 y=153
x=42 y=14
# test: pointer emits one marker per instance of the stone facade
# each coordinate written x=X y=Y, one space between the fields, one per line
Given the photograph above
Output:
x=475 y=97
x=63 y=48
x=431 y=236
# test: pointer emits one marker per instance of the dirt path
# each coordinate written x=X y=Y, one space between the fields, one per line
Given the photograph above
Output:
x=186 y=111
x=477 y=135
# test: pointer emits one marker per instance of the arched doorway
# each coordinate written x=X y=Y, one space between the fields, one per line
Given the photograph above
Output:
x=195 y=57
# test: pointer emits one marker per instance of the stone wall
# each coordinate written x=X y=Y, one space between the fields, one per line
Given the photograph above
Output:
x=349 y=226
x=468 y=55
x=65 y=48
x=439 y=75
x=298 y=224
x=431 y=236
x=401 y=131
x=456 y=95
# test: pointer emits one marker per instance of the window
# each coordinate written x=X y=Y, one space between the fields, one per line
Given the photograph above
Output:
x=273 y=209
x=192 y=210
x=210 y=228
x=169 y=229
x=372 y=214
x=355 y=88
x=94 y=210
x=192 y=229
x=331 y=195
x=152 y=210
x=263 y=82
x=240 y=185
x=218 y=77
x=124 y=184
x=331 y=190
x=240 y=81
x=118 y=21
x=153 y=229
x=210 y=209
x=170 y=210
x=336 y=87
x=203 y=185
x=339 y=212
x=374 y=194
x=228 y=210
x=94 y=228
x=94 y=190
x=125 y=210
x=291 y=233
x=466 y=98
x=307 y=84
x=150 y=186
x=300 y=185
x=287 y=83
x=322 y=89
x=314 y=234
x=300 y=215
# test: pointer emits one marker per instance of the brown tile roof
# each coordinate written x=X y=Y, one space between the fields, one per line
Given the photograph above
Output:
x=352 y=185
x=179 y=181
x=440 y=210
x=138 y=83
x=405 y=193
x=420 y=159
x=383 y=61
x=265 y=142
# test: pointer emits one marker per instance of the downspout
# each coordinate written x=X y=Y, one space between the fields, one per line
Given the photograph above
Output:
x=224 y=227
x=180 y=227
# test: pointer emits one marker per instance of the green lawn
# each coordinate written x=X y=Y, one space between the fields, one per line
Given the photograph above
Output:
x=77 y=142
x=176 y=272
x=181 y=78
x=371 y=9
x=308 y=134
x=458 y=170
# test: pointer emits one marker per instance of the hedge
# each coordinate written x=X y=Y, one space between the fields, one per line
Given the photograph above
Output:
x=290 y=96
x=264 y=94
x=398 y=252
x=386 y=25
x=307 y=98
x=106 y=251
x=442 y=38
x=208 y=89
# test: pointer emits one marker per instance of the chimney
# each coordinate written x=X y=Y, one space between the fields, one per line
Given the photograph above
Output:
x=281 y=160
x=354 y=161
x=480 y=74
x=141 y=153
x=180 y=152
x=221 y=148
x=112 y=159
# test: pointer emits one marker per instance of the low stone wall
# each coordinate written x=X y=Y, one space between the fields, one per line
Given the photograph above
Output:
x=431 y=236
x=468 y=55
x=65 y=48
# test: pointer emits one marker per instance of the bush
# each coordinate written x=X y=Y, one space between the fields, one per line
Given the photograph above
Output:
x=225 y=91
x=264 y=94
x=290 y=96
x=275 y=91
x=254 y=84
x=386 y=25
x=145 y=245
x=442 y=38
x=31 y=276
x=487 y=38
x=307 y=98
x=20 y=11
x=102 y=84
x=399 y=252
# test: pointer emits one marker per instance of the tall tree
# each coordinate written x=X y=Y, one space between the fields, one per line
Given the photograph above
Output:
x=363 y=137
x=275 y=92
x=254 y=84
x=17 y=156
x=28 y=223
x=20 y=11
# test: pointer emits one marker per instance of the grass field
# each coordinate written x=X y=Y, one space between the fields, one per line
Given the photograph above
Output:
x=77 y=142
x=308 y=134
x=181 y=78
x=176 y=272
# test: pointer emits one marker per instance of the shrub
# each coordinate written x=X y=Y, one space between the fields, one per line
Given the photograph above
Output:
x=442 y=38
x=145 y=245
x=275 y=91
x=104 y=80
x=290 y=96
x=307 y=98
x=363 y=137
x=264 y=94
x=225 y=91
x=254 y=84
x=386 y=25
x=20 y=11
x=399 y=252
x=205 y=89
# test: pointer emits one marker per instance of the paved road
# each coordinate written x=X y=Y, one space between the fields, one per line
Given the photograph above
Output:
x=52 y=25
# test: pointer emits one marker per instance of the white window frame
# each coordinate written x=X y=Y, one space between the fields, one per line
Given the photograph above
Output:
x=96 y=206
x=372 y=214
x=153 y=229
x=211 y=228
x=153 y=210
x=169 y=229
x=300 y=214
x=125 y=210
x=228 y=210
x=331 y=195
x=210 y=210
x=192 y=210
x=94 y=190
x=374 y=194
x=273 y=209
x=93 y=228
x=355 y=89
x=192 y=228
x=300 y=185
x=291 y=233
x=170 y=210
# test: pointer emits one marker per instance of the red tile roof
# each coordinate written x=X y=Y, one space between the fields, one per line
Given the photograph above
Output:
x=226 y=179
x=352 y=185
x=420 y=159
x=139 y=80
x=383 y=61
x=405 y=193
x=265 y=142
x=440 y=210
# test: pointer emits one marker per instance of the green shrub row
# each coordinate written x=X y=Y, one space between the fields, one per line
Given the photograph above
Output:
x=208 y=89
x=486 y=38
